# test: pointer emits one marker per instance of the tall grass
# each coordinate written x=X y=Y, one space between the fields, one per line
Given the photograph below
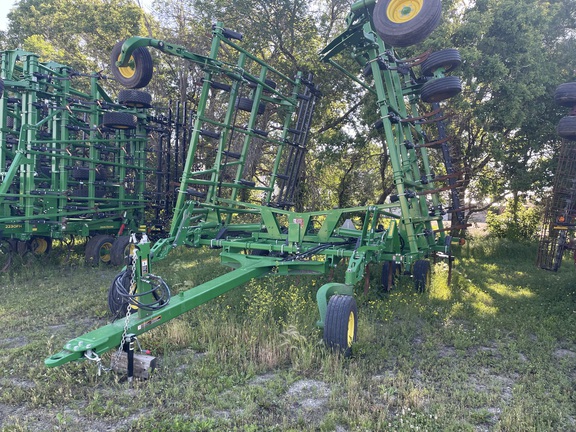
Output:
x=495 y=350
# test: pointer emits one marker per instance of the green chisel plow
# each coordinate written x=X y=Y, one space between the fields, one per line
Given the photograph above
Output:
x=241 y=177
x=72 y=160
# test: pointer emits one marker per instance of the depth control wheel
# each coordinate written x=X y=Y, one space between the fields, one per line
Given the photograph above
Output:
x=137 y=73
x=422 y=275
x=567 y=128
x=447 y=60
x=135 y=98
x=440 y=89
x=120 y=252
x=401 y=23
x=40 y=245
x=565 y=94
x=119 y=120
x=98 y=249
x=341 y=323
x=390 y=272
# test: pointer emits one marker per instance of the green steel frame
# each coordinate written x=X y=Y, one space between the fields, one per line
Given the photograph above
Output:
x=62 y=172
x=225 y=205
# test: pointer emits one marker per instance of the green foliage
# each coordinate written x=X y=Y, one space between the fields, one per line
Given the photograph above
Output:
x=518 y=221
x=513 y=58
x=77 y=33
x=502 y=135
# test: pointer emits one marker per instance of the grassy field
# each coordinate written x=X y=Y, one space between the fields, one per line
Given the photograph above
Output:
x=494 y=351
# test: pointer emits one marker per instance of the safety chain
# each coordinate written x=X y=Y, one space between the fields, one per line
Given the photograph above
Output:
x=133 y=241
x=92 y=356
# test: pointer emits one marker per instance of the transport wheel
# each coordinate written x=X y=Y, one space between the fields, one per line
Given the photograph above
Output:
x=440 y=89
x=120 y=252
x=402 y=23
x=119 y=120
x=565 y=94
x=341 y=324
x=98 y=249
x=422 y=275
x=245 y=104
x=567 y=128
x=138 y=72
x=120 y=288
x=448 y=59
x=135 y=98
x=40 y=245
x=389 y=276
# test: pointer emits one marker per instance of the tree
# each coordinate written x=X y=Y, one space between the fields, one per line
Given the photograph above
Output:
x=514 y=55
x=78 y=33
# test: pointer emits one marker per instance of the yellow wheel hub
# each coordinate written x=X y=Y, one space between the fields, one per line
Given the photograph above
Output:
x=351 y=328
x=401 y=11
x=128 y=70
x=105 y=252
x=39 y=246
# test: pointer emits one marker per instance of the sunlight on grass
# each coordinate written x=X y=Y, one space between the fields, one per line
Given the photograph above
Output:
x=439 y=289
x=482 y=302
x=492 y=351
x=484 y=309
x=512 y=292
x=456 y=309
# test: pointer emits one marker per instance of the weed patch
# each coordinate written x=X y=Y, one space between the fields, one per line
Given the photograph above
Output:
x=493 y=351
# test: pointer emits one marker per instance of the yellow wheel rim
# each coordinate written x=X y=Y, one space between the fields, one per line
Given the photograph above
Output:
x=128 y=70
x=351 y=328
x=401 y=11
x=105 y=252
x=39 y=246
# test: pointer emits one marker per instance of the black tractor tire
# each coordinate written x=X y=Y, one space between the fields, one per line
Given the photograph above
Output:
x=389 y=277
x=82 y=173
x=440 y=89
x=565 y=94
x=245 y=104
x=120 y=252
x=138 y=72
x=98 y=249
x=341 y=324
x=268 y=82
x=400 y=25
x=448 y=59
x=220 y=86
x=135 y=98
x=421 y=274
x=119 y=120
x=567 y=128
x=83 y=192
